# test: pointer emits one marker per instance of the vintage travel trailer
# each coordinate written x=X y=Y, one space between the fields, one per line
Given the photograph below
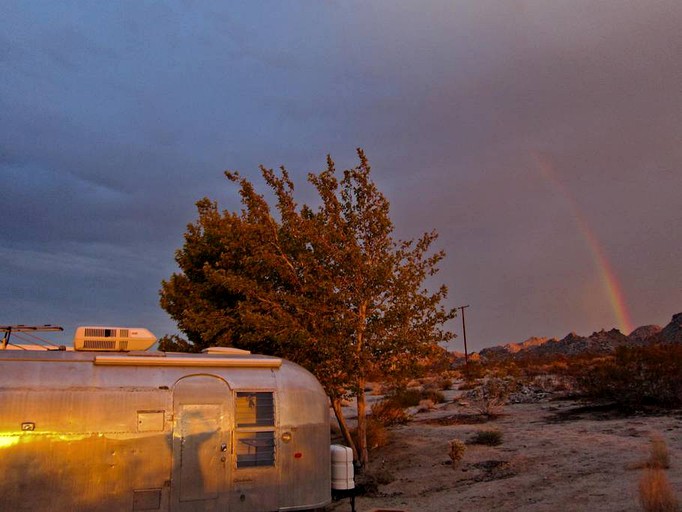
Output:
x=100 y=429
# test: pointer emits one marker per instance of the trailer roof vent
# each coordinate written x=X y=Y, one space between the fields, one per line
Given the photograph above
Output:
x=112 y=339
x=226 y=351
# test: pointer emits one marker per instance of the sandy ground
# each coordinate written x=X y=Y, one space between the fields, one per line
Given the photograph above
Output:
x=555 y=456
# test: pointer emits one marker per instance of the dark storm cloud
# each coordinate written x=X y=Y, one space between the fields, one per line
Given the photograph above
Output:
x=116 y=117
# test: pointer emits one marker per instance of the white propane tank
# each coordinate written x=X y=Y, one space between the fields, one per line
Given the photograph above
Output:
x=342 y=467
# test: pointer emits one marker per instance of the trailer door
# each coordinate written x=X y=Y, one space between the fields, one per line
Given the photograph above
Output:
x=200 y=442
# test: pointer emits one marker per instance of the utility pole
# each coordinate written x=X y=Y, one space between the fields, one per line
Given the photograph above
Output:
x=464 y=331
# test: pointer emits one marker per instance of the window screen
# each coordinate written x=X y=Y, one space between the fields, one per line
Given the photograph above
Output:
x=255 y=436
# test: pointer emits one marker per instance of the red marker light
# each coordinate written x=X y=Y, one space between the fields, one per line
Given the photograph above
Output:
x=298 y=455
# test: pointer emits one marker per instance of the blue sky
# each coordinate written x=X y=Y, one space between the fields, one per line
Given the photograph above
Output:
x=115 y=117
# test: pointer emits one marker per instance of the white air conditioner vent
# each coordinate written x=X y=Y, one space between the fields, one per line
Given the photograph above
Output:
x=90 y=344
x=113 y=339
x=99 y=332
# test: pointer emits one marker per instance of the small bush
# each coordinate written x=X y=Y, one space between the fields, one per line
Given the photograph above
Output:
x=440 y=383
x=389 y=413
x=659 y=458
x=377 y=436
x=504 y=369
x=426 y=405
x=368 y=481
x=489 y=398
x=383 y=476
x=456 y=452
x=636 y=377
x=655 y=494
x=434 y=395
x=487 y=437
x=404 y=398
x=472 y=370
x=444 y=383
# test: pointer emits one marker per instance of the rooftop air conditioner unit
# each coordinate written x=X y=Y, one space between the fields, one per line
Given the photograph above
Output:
x=112 y=339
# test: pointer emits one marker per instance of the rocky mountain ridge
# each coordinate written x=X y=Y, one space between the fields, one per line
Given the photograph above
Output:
x=601 y=342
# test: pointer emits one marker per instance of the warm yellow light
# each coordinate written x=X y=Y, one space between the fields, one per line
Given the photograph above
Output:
x=8 y=441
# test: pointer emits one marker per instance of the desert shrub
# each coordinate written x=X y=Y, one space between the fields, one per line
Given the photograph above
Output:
x=636 y=377
x=456 y=452
x=377 y=389
x=405 y=397
x=444 y=383
x=377 y=435
x=472 y=370
x=552 y=383
x=383 y=476
x=434 y=395
x=487 y=437
x=491 y=396
x=504 y=369
x=659 y=458
x=655 y=494
x=367 y=482
x=426 y=405
x=387 y=412
x=440 y=383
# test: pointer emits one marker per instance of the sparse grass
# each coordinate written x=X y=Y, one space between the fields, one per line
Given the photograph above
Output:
x=487 y=437
x=456 y=452
x=655 y=494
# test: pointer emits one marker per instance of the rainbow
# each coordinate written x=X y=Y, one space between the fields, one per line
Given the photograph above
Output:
x=608 y=277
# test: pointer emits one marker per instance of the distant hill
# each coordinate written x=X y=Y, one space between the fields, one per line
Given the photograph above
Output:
x=672 y=333
x=601 y=342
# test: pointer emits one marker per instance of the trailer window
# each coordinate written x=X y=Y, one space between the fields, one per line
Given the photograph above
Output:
x=255 y=449
x=255 y=436
x=255 y=410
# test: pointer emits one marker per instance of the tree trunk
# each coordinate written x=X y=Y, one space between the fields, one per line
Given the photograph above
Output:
x=362 y=424
x=362 y=405
x=345 y=431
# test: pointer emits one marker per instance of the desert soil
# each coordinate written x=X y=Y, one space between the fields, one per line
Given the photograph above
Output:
x=556 y=455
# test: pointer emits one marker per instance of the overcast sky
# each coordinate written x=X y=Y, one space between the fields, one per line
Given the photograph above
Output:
x=541 y=139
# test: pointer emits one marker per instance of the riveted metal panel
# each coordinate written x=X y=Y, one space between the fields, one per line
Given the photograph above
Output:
x=75 y=435
x=200 y=440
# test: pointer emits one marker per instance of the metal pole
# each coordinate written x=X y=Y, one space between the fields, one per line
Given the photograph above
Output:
x=5 y=340
x=464 y=331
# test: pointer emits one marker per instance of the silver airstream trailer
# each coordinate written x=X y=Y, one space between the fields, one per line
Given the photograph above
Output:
x=94 y=430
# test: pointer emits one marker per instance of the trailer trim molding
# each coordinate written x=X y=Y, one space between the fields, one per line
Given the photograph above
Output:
x=250 y=362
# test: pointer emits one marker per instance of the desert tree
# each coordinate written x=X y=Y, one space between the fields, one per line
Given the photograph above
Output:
x=328 y=287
